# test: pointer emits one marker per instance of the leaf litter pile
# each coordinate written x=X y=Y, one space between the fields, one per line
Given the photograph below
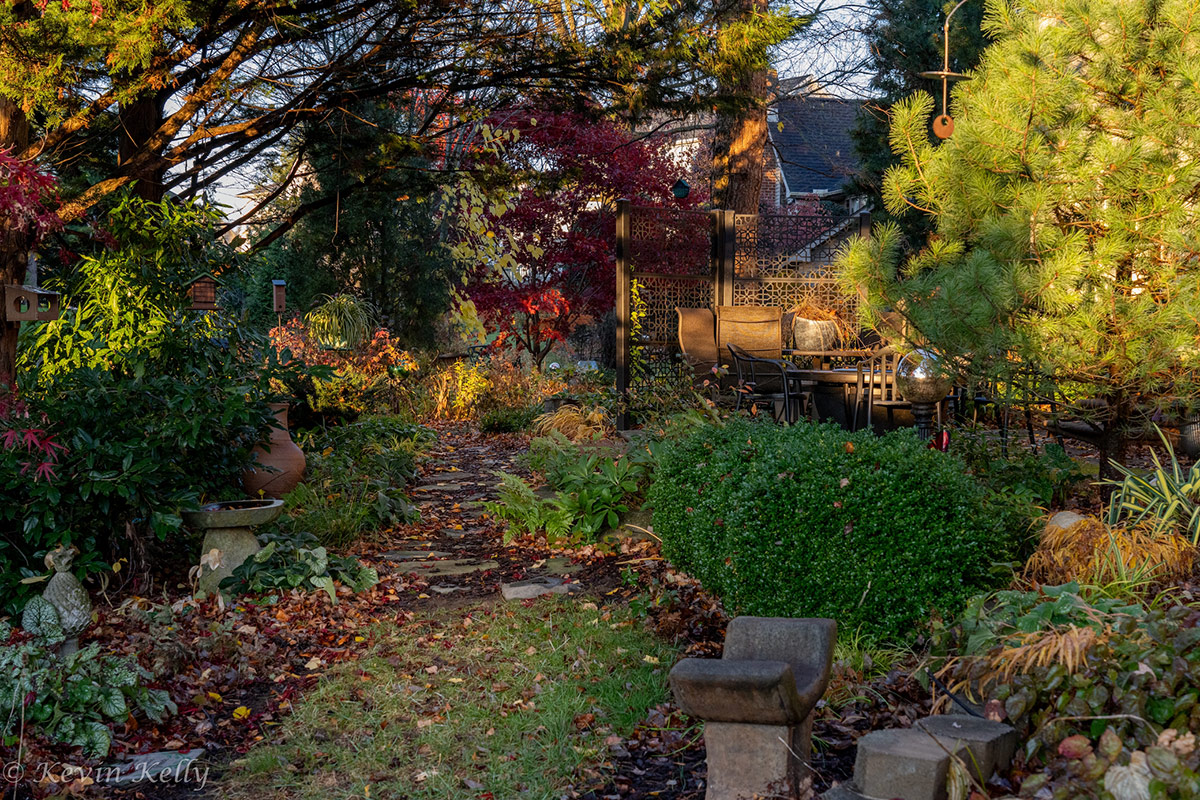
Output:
x=428 y=685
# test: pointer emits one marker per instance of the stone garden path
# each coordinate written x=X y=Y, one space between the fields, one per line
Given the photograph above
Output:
x=455 y=551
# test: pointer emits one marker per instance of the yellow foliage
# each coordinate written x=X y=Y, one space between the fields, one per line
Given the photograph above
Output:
x=1068 y=646
x=575 y=423
x=1092 y=553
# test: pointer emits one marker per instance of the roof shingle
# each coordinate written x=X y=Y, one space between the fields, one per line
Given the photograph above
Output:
x=812 y=140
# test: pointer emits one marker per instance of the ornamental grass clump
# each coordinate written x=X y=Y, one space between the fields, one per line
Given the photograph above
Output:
x=880 y=533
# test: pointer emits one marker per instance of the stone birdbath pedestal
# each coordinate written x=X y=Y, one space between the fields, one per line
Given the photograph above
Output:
x=228 y=528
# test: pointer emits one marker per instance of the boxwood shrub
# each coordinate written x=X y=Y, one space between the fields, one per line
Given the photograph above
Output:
x=878 y=533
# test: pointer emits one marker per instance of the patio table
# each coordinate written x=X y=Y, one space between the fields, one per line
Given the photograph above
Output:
x=832 y=382
x=819 y=357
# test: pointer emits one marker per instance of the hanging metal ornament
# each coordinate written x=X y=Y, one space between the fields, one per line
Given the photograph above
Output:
x=943 y=126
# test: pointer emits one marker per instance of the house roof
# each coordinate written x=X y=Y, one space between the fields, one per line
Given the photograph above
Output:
x=812 y=141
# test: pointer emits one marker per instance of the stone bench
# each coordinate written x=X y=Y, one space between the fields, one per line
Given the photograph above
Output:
x=757 y=702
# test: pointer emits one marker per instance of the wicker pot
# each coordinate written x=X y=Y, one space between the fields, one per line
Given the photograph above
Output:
x=282 y=461
x=814 y=334
x=1189 y=438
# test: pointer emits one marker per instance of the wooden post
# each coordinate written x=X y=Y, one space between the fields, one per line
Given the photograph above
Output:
x=624 y=240
x=724 y=255
x=864 y=224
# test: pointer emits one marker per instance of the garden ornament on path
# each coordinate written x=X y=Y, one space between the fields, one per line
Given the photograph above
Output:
x=943 y=126
x=69 y=598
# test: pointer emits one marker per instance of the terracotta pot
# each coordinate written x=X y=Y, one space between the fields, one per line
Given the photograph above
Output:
x=281 y=454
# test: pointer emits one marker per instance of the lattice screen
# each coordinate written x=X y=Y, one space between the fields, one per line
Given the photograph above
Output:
x=778 y=260
x=787 y=260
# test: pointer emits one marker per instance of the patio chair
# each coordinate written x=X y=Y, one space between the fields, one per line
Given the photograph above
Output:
x=697 y=334
x=773 y=381
x=756 y=329
x=876 y=386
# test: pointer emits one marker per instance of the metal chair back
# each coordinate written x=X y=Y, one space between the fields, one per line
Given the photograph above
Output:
x=876 y=384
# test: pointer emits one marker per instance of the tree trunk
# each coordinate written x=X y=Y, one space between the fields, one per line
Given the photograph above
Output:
x=139 y=121
x=14 y=134
x=741 y=137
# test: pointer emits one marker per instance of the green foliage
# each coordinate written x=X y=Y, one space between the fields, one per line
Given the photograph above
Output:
x=297 y=561
x=41 y=620
x=380 y=239
x=73 y=699
x=157 y=406
x=809 y=520
x=356 y=478
x=1038 y=480
x=507 y=419
x=1170 y=498
x=341 y=322
x=525 y=512
x=1114 y=685
x=1063 y=208
x=592 y=489
x=905 y=40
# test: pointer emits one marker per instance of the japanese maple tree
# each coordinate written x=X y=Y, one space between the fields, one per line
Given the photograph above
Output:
x=548 y=258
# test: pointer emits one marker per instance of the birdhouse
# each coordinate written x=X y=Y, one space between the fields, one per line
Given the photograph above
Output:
x=203 y=292
x=279 y=294
x=28 y=304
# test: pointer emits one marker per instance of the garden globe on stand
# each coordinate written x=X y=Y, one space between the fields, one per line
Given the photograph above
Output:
x=921 y=383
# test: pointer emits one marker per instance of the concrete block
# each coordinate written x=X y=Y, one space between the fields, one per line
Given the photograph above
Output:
x=716 y=690
x=903 y=764
x=751 y=762
x=991 y=744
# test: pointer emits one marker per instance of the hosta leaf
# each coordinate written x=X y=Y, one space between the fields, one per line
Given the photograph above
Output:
x=325 y=582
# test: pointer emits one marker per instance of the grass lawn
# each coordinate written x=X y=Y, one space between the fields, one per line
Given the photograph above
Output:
x=491 y=701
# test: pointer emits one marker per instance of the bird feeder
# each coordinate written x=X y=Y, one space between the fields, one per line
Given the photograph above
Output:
x=203 y=292
x=28 y=304
x=279 y=295
x=943 y=126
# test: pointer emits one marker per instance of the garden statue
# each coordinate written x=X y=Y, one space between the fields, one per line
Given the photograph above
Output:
x=69 y=598
x=757 y=702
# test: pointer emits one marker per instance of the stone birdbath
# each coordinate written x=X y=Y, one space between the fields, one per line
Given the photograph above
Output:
x=228 y=528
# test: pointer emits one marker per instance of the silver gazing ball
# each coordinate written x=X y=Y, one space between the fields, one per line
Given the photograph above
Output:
x=66 y=593
x=919 y=380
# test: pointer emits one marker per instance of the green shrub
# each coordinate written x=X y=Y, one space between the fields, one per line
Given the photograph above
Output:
x=877 y=532
x=296 y=561
x=157 y=406
x=593 y=486
x=357 y=475
x=1038 y=480
x=507 y=420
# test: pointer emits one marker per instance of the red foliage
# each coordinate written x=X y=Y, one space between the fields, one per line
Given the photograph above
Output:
x=24 y=433
x=27 y=199
x=575 y=168
x=372 y=357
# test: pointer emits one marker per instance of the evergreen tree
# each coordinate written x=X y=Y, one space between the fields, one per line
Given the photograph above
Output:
x=1064 y=208
x=371 y=229
x=906 y=40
